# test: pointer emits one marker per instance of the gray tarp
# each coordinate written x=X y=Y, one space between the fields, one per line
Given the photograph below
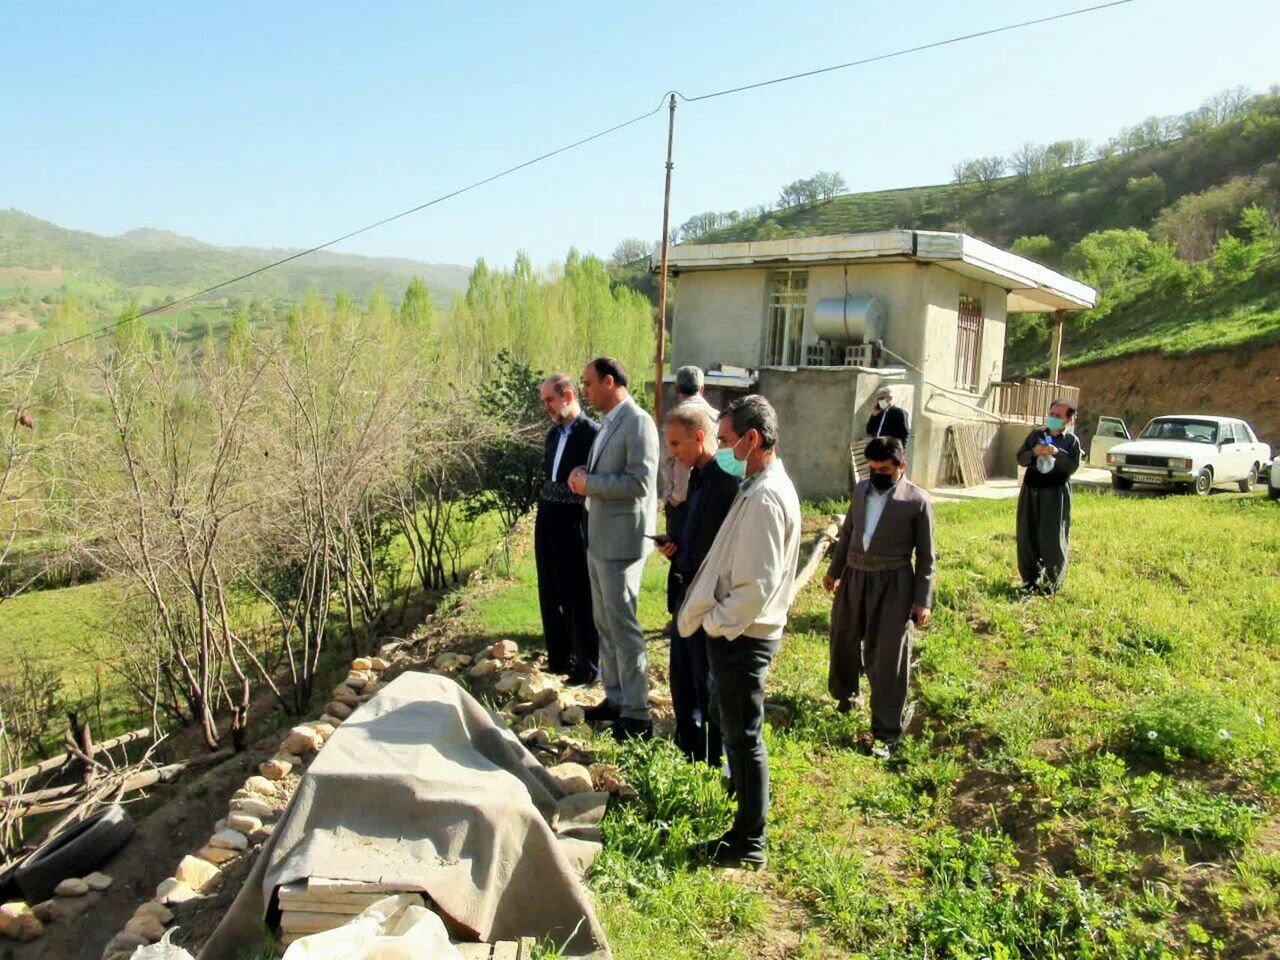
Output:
x=424 y=789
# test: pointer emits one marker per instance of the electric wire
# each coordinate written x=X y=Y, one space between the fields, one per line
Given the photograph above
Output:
x=104 y=330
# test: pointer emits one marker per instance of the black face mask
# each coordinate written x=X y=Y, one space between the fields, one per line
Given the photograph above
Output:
x=881 y=481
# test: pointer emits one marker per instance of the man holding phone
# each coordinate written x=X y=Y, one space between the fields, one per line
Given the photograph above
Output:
x=880 y=596
x=712 y=485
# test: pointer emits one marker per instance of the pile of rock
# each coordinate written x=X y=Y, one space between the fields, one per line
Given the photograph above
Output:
x=251 y=813
x=71 y=898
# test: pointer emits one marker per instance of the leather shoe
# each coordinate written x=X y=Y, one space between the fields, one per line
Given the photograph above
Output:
x=727 y=852
x=602 y=712
x=581 y=678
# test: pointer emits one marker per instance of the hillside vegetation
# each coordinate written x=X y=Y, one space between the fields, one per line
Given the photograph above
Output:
x=42 y=263
x=1173 y=220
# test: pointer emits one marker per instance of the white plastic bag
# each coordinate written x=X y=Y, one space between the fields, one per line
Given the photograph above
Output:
x=162 y=950
x=395 y=928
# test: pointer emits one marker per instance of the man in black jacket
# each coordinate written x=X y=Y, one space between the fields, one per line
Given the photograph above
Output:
x=691 y=441
x=887 y=419
x=564 y=588
x=1050 y=454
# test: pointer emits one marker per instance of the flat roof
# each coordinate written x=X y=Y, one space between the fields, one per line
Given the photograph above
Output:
x=1031 y=286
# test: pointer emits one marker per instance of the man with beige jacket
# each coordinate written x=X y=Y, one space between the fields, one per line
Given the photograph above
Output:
x=740 y=597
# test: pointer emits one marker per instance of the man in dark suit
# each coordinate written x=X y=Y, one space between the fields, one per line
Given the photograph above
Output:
x=564 y=587
x=880 y=597
x=888 y=419
x=710 y=490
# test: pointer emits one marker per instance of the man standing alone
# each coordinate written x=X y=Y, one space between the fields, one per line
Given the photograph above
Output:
x=888 y=419
x=880 y=598
x=564 y=587
x=711 y=487
x=740 y=597
x=1050 y=455
x=620 y=483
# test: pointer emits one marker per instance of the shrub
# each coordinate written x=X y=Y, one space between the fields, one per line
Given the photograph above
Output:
x=1187 y=723
x=1234 y=259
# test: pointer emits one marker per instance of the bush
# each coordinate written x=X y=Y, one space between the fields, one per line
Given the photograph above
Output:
x=1039 y=248
x=1234 y=259
x=1187 y=723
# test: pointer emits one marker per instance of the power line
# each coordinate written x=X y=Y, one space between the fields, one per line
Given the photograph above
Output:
x=907 y=50
x=102 y=331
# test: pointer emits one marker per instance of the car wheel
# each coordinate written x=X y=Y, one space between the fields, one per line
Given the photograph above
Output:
x=1121 y=483
x=1273 y=493
x=1247 y=484
x=1204 y=482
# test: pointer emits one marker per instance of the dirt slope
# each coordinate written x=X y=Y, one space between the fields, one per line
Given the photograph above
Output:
x=1243 y=383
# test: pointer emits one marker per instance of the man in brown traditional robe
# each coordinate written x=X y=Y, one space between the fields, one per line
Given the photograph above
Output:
x=880 y=597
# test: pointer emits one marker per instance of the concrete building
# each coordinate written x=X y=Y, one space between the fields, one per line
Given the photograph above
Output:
x=819 y=324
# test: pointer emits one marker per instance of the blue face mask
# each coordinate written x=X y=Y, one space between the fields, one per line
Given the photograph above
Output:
x=1054 y=423
x=730 y=464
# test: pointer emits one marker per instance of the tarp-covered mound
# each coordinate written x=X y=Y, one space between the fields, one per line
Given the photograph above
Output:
x=423 y=789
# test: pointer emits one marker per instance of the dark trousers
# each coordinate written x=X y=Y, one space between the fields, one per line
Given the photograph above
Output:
x=1044 y=535
x=697 y=729
x=738 y=669
x=564 y=589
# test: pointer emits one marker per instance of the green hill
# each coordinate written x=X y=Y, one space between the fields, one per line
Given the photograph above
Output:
x=1154 y=222
x=41 y=262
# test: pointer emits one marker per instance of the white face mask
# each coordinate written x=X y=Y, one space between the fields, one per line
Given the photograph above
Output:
x=884 y=403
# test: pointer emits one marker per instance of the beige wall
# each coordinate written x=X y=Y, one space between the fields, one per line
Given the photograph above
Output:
x=720 y=318
x=720 y=314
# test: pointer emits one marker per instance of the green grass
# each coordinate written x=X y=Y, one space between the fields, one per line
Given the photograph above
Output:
x=1029 y=816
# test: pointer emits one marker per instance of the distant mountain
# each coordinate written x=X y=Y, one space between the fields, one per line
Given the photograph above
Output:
x=147 y=263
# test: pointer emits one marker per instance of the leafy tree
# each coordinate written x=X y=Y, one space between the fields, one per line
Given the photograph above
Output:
x=1039 y=248
x=630 y=250
x=510 y=466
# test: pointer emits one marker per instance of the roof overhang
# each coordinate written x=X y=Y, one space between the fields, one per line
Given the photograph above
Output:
x=1030 y=285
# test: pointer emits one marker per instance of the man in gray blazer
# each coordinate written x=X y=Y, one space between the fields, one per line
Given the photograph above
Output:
x=880 y=599
x=620 y=483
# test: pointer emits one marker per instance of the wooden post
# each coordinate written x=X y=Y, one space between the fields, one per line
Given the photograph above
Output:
x=662 y=276
x=1055 y=345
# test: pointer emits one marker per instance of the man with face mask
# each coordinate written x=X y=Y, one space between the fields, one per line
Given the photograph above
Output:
x=564 y=588
x=880 y=596
x=1050 y=454
x=739 y=598
x=888 y=419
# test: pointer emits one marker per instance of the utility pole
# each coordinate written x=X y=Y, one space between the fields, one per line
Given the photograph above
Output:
x=1055 y=345
x=662 y=275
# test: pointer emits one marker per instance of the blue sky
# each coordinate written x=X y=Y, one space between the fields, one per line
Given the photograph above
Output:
x=285 y=124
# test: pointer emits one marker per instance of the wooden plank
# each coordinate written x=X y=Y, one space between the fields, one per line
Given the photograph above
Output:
x=526 y=948
x=474 y=951
x=298 y=921
x=506 y=950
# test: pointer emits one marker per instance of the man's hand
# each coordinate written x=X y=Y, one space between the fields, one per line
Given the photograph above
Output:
x=668 y=549
x=919 y=615
x=1045 y=450
x=578 y=481
x=829 y=583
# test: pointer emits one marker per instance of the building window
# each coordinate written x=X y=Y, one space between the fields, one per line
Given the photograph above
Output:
x=784 y=330
x=968 y=343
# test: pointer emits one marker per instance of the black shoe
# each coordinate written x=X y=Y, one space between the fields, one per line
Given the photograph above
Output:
x=629 y=729
x=844 y=706
x=563 y=669
x=581 y=678
x=884 y=749
x=602 y=712
x=728 y=852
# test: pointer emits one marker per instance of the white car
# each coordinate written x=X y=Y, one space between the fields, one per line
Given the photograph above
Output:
x=1192 y=450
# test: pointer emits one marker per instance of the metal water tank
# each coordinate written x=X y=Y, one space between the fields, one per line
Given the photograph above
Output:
x=855 y=320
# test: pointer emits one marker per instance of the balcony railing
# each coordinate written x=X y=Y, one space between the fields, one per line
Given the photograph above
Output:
x=1027 y=401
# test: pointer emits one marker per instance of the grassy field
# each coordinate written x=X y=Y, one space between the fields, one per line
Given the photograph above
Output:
x=1092 y=776
x=74 y=631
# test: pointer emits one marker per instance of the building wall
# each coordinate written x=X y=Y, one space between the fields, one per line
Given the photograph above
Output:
x=720 y=314
x=720 y=319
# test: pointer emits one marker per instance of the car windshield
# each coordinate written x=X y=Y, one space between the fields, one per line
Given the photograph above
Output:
x=1178 y=428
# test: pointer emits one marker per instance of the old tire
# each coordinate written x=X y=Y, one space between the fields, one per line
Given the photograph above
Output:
x=78 y=850
x=1121 y=483
x=1246 y=485
x=1204 y=482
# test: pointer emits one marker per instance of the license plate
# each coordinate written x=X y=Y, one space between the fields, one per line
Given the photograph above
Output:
x=1148 y=476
